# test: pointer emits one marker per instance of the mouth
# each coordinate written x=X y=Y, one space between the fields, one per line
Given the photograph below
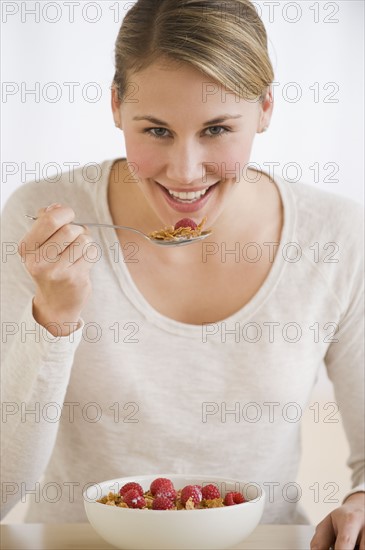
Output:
x=187 y=201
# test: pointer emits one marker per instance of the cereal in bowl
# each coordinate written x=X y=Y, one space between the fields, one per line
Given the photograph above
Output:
x=163 y=496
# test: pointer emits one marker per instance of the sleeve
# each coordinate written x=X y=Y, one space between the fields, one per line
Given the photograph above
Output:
x=36 y=366
x=345 y=364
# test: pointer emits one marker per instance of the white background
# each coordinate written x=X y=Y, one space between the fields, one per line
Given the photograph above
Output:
x=312 y=45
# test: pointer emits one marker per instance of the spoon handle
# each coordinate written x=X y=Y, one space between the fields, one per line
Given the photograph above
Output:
x=96 y=224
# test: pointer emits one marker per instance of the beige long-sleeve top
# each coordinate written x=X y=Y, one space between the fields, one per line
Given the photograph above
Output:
x=134 y=392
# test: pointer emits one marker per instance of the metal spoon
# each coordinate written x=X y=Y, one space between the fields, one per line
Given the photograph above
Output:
x=180 y=241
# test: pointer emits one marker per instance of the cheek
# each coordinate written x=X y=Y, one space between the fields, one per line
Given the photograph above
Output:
x=234 y=157
x=145 y=162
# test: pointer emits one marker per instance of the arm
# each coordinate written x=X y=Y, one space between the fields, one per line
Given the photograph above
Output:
x=345 y=367
x=35 y=372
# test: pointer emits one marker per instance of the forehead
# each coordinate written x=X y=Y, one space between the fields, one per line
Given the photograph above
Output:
x=183 y=88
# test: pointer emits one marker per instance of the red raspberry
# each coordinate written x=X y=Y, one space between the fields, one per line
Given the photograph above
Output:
x=129 y=486
x=161 y=485
x=166 y=492
x=233 y=498
x=209 y=492
x=191 y=491
x=162 y=503
x=133 y=499
x=186 y=222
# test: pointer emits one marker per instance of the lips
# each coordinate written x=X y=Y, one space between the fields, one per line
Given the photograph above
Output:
x=192 y=206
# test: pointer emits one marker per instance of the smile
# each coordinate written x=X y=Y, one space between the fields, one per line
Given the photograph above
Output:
x=189 y=196
x=187 y=201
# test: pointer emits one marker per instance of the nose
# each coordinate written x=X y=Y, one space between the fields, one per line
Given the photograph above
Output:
x=185 y=164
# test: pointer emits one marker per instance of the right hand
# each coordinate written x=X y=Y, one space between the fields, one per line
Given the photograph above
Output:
x=62 y=282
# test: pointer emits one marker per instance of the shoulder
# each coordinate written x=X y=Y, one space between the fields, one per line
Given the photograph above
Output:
x=78 y=182
x=329 y=229
x=79 y=187
x=324 y=214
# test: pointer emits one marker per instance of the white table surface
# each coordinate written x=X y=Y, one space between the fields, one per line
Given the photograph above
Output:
x=81 y=536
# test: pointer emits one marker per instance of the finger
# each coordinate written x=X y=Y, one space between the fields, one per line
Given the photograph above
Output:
x=48 y=257
x=348 y=535
x=65 y=238
x=45 y=226
x=346 y=540
x=324 y=536
x=74 y=253
x=349 y=529
x=85 y=252
x=362 y=540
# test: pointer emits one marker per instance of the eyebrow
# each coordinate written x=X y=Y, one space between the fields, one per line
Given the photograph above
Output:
x=216 y=120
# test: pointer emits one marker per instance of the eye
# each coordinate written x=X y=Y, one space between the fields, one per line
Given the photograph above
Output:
x=150 y=130
x=159 y=132
x=222 y=130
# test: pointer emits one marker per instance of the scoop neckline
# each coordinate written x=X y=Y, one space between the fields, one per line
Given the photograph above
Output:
x=136 y=298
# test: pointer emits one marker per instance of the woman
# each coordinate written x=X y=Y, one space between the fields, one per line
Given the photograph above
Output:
x=183 y=359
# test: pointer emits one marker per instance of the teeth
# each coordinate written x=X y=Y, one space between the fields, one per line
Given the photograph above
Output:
x=191 y=195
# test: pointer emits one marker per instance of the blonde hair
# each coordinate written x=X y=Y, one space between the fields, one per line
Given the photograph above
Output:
x=226 y=41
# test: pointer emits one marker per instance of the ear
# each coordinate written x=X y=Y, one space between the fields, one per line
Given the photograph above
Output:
x=266 y=109
x=115 y=104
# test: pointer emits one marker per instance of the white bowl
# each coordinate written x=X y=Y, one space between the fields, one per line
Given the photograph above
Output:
x=211 y=528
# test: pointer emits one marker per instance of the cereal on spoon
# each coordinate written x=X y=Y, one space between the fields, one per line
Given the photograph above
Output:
x=184 y=228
